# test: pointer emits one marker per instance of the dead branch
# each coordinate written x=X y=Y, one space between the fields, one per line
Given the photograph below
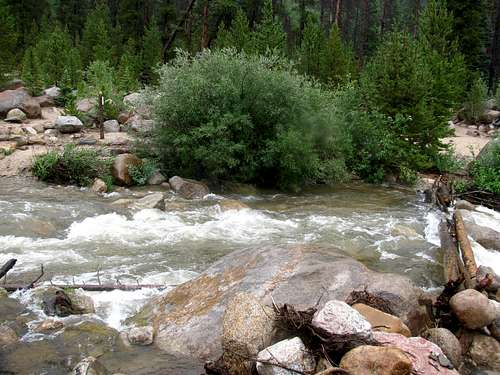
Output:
x=466 y=250
x=30 y=285
x=7 y=267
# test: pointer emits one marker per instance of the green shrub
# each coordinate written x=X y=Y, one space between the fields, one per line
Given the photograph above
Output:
x=229 y=115
x=74 y=165
x=485 y=170
x=475 y=104
x=448 y=162
x=141 y=173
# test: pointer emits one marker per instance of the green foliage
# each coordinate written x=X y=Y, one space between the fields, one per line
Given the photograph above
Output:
x=485 y=170
x=8 y=40
x=141 y=173
x=269 y=37
x=31 y=74
x=447 y=162
x=128 y=69
x=96 y=40
x=475 y=104
x=239 y=36
x=497 y=95
x=74 y=165
x=247 y=118
x=311 y=49
x=152 y=51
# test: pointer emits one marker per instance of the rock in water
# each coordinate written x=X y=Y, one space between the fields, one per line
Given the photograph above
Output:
x=156 y=179
x=49 y=325
x=188 y=189
x=448 y=343
x=291 y=353
x=55 y=301
x=426 y=357
x=68 y=124
x=472 y=309
x=16 y=115
x=248 y=327
x=382 y=321
x=340 y=323
x=111 y=126
x=484 y=352
x=7 y=336
x=99 y=186
x=155 y=200
x=188 y=320
x=376 y=360
x=140 y=335
x=120 y=168
x=90 y=366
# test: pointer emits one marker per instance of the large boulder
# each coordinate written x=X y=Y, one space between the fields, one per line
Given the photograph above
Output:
x=31 y=107
x=132 y=100
x=248 y=327
x=376 y=360
x=58 y=302
x=490 y=116
x=291 y=353
x=188 y=320
x=139 y=124
x=86 y=105
x=120 y=168
x=448 y=343
x=154 y=200
x=426 y=357
x=11 y=99
x=473 y=309
x=68 y=124
x=382 y=321
x=188 y=189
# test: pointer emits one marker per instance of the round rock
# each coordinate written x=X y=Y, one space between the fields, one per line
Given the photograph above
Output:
x=448 y=343
x=472 y=309
x=376 y=360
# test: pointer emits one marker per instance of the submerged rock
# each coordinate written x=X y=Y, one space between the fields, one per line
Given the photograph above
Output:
x=472 y=308
x=155 y=200
x=49 y=325
x=188 y=189
x=188 y=320
x=90 y=366
x=376 y=360
x=99 y=186
x=291 y=353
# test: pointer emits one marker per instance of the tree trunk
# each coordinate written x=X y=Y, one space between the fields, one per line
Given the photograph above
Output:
x=338 y=7
x=204 y=35
x=451 y=261
x=7 y=267
x=466 y=250
x=170 y=40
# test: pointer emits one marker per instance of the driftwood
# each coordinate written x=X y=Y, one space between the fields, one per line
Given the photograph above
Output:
x=466 y=250
x=451 y=259
x=7 y=267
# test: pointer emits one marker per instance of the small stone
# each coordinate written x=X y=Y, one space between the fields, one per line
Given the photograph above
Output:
x=7 y=336
x=123 y=117
x=51 y=132
x=484 y=352
x=165 y=185
x=87 y=141
x=448 y=343
x=291 y=353
x=36 y=140
x=38 y=127
x=30 y=130
x=155 y=200
x=90 y=366
x=8 y=147
x=141 y=335
x=376 y=360
x=99 y=186
x=157 y=179
x=16 y=116
x=49 y=325
x=472 y=133
x=472 y=309
x=53 y=92
x=111 y=126
x=382 y=321
x=68 y=124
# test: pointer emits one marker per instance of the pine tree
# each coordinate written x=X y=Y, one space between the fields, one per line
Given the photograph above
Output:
x=31 y=75
x=128 y=68
x=239 y=36
x=152 y=51
x=269 y=35
x=8 y=40
x=311 y=48
x=96 y=40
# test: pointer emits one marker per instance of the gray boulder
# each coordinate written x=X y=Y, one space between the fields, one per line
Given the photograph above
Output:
x=111 y=126
x=156 y=179
x=86 y=105
x=132 y=99
x=291 y=353
x=53 y=92
x=155 y=200
x=188 y=320
x=16 y=116
x=69 y=124
x=7 y=336
x=188 y=189
x=11 y=99
x=142 y=336
x=484 y=352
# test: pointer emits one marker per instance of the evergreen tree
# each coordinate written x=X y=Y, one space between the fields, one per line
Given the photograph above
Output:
x=129 y=68
x=96 y=40
x=8 y=39
x=31 y=75
x=152 y=50
x=311 y=48
x=269 y=35
x=239 y=35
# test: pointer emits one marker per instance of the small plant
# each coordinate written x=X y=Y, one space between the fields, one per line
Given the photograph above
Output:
x=448 y=162
x=142 y=173
x=408 y=176
x=460 y=185
x=485 y=170
x=475 y=104
x=74 y=165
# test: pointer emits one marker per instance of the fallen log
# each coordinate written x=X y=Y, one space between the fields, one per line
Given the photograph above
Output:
x=7 y=267
x=466 y=250
x=88 y=287
x=451 y=259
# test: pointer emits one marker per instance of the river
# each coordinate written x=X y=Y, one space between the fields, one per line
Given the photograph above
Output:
x=74 y=232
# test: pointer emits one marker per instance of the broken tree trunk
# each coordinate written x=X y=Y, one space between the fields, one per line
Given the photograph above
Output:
x=7 y=267
x=450 y=254
x=466 y=250
x=88 y=287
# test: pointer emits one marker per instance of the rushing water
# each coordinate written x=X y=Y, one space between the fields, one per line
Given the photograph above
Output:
x=73 y=233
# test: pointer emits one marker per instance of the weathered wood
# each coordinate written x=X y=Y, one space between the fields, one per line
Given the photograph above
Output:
x=88 y=287
x=7 y=267
x=466 y=250
x=450 y=254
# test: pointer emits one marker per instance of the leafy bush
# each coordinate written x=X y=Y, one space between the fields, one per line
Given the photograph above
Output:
x=448 y=162
x=77 y=166
x=141 y=173
x=485 y=170
x=475 y=104
x=229 y=115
